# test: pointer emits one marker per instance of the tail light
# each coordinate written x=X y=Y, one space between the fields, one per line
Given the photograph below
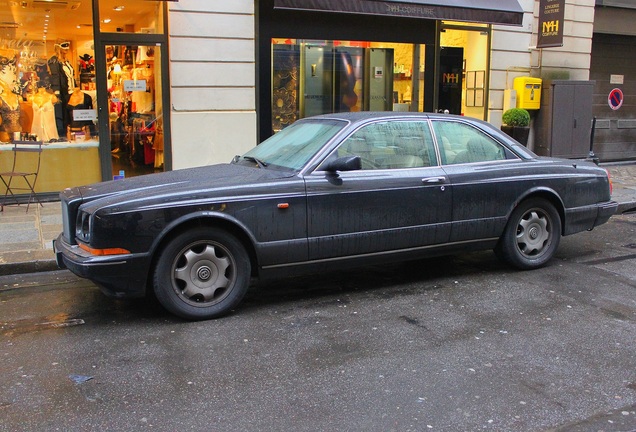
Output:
x=609 y=179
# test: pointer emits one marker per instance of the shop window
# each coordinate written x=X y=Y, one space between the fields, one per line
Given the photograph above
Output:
x=130 y=16
x=318 y=77
x=48 y=80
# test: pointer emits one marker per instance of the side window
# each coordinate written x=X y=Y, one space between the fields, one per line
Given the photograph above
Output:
x=391 y=145
x=461 y=143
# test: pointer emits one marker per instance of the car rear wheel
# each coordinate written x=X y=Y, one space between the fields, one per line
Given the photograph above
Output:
x=531 y=236
x=202 y=274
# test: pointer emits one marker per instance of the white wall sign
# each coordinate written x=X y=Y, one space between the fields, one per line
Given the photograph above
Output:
x=134 y=85
x=617 y=79
x=84 y=115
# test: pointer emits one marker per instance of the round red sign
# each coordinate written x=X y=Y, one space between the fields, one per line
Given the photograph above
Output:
x=615 y=99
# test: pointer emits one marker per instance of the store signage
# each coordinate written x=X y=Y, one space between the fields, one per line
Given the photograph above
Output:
x=84 y=115
x=134 y=85
x=491 y=11
x=615 y=99
x=551 y=17
x=450 y=78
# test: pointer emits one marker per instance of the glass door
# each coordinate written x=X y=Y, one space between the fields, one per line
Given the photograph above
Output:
x=135 y=109
x=132 y=82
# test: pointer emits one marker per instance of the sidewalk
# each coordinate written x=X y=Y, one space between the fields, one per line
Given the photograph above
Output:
x=26 y=238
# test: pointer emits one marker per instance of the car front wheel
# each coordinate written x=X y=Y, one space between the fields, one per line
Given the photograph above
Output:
x=531 y=236
x=202 y=274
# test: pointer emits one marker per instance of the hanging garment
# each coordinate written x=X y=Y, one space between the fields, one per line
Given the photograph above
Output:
x=87 y=103
x=10 y=118
x=44 y=125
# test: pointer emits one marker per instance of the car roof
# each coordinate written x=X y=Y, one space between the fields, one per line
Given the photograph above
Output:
x=357 y=118
x=365 y=116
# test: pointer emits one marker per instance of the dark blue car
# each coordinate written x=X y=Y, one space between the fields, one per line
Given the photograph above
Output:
x=327 y=192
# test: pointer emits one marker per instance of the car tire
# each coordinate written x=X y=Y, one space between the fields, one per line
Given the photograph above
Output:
x=201 y=274
x=531 y=236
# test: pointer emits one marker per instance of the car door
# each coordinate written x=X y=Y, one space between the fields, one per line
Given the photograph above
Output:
x=484 y=177
x=400 y=199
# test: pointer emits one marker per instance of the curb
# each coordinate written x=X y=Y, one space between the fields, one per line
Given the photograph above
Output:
x=38 y=266
x=27 y=262
x=626 y=207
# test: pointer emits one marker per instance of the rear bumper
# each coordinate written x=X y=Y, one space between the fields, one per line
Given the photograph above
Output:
x=605 y=211
x=586 y=218
x=121 y=276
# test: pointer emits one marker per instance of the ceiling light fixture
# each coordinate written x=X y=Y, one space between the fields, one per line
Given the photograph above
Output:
x=118 y=8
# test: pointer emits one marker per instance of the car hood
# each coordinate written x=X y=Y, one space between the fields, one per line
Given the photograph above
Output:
x=190 y=183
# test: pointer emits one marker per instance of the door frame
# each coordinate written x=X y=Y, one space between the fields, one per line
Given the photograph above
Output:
x=101 y=40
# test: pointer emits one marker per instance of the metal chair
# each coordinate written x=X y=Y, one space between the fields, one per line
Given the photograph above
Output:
x=27 y=168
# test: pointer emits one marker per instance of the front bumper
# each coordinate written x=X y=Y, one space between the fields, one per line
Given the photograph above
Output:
x=121 y=276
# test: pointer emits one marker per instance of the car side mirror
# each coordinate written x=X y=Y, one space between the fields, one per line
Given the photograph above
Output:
x=347 y=163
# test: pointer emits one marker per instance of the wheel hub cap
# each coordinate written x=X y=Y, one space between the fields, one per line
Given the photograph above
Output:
x=204 y=273
x=533 y=233
x=201 y=274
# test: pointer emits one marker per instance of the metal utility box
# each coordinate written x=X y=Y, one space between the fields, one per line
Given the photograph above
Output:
x=564 y=123
x=528 y=92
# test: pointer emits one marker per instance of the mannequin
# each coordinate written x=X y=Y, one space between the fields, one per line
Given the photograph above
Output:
x=62 y=83
x=9 y=96
x=78 y=100
x=43 y=124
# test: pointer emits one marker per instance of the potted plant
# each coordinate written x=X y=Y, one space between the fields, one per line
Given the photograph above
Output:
x=516 y=123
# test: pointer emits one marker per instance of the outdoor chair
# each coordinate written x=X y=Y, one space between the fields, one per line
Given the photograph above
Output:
x=26 y=167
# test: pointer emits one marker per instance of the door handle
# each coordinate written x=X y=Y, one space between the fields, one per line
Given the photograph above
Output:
x=434 y=180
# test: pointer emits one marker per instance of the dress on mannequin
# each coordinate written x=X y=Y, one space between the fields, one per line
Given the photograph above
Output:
x=10 y=115
x=79 y=101
x=43 y=124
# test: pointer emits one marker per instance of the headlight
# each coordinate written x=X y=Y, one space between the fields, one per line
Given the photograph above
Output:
x=83 y=227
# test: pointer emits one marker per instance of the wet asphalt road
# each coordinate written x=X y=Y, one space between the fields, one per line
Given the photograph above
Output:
x=449 y=344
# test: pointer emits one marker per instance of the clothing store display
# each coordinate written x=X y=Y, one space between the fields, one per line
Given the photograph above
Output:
x=59 y=84
x=62 y=79
x=43 y=125
x=144 y=100
x=79 y=101
x=68 y=69
x=9 y=94
x=9 y=114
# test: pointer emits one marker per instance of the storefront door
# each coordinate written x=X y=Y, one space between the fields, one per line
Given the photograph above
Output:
x=135 y=121
x=131 y=64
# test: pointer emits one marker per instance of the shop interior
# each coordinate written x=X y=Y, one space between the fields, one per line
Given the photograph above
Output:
x=48 y=86
x=312 y=77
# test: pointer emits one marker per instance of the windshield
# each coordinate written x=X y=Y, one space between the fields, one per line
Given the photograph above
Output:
x=295 y=145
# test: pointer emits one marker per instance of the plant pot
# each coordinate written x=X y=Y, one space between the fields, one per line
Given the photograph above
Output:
x=519 y=133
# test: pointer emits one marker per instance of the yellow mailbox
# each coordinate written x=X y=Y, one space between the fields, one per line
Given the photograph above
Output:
x=528 y=92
